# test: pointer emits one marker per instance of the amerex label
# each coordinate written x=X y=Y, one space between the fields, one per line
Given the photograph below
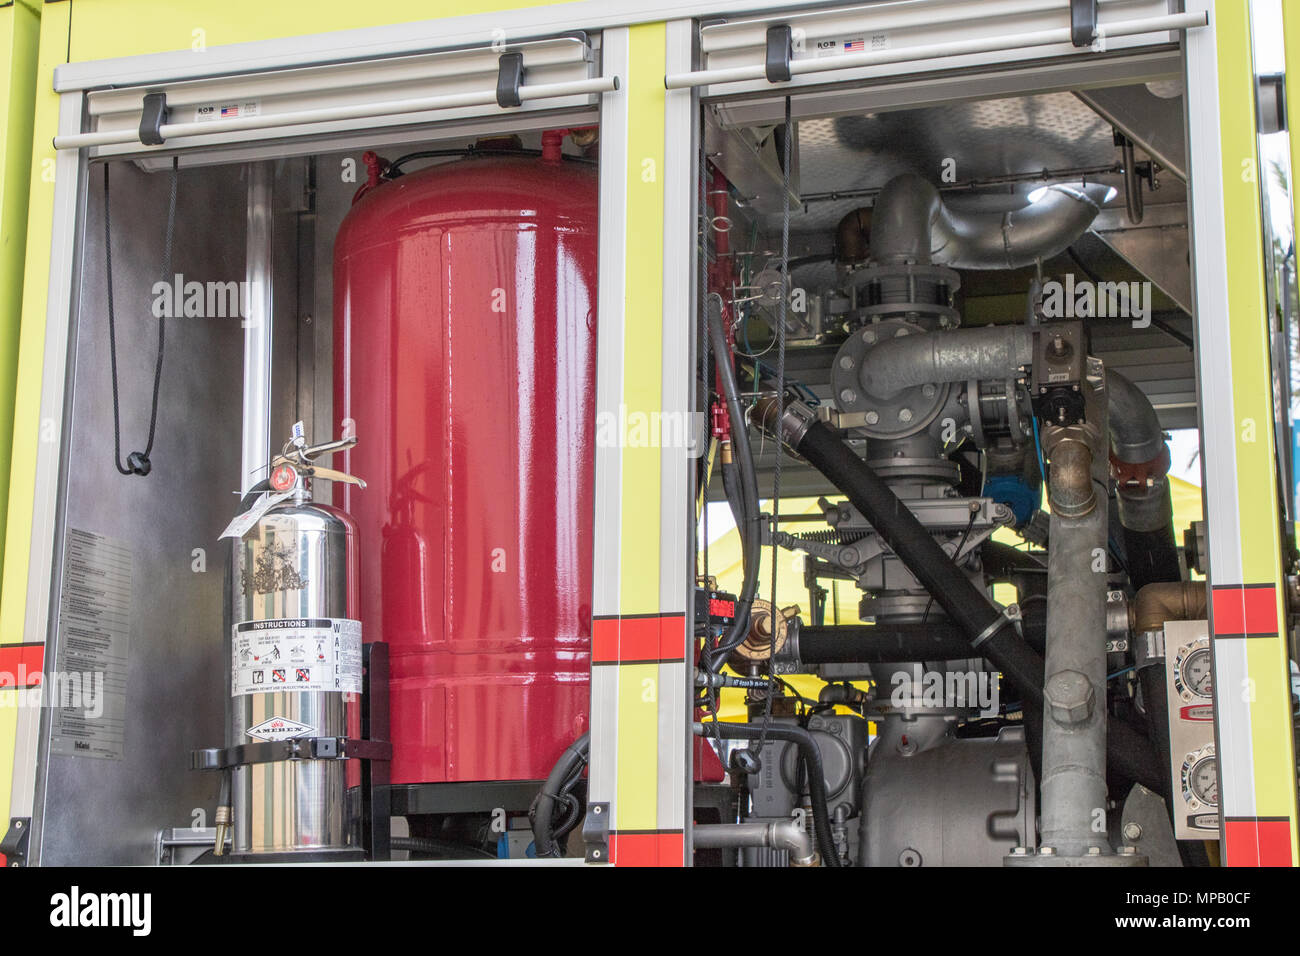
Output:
x=295 y=654
x=280 y=728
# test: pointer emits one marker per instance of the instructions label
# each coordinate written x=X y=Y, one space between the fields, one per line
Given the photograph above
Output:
x=87 y=691
x=295 y=654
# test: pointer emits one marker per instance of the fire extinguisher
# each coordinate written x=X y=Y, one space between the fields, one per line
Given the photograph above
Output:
x=295 y=666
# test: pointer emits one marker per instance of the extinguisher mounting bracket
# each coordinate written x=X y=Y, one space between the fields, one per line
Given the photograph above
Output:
x=295 y=748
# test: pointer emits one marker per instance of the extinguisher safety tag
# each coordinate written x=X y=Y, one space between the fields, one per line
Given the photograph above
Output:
x=295 y=654
x=244 y=522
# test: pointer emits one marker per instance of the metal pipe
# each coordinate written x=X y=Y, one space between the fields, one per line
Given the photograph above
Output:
x=369 y=110
x=911 y=223
x=1169 y=601
x=993 y=351
x=1074 y=693
x=1071 y=492
x=255 y=447
x=785 y=835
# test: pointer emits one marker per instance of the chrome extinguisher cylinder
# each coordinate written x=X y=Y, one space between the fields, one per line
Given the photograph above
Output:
x=292 y=630
x=295 y=663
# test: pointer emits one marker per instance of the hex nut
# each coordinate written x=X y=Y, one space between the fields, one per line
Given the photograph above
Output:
x=1069 y=696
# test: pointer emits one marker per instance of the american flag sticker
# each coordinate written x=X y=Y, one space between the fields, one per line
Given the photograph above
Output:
x=855 y=46
x=220 y=111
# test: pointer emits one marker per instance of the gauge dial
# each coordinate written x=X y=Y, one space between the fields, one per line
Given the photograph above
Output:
x=1198 y=672
x=1203 y=781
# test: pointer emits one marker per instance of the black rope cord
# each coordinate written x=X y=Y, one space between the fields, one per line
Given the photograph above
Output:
x=137 y=463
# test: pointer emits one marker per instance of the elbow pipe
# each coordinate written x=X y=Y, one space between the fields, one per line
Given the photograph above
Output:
x=911 y=223
x=1169 y=601
x=776 y=834
x=812 y=760
x=940 y=357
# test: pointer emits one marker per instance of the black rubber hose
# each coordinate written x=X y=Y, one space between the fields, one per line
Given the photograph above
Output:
x=1152 y=556
x=744 y=461
x=731 y=485
x=865 y=644
x=1130 y=756
x=813 y=770
x=571 y=761
x=437 y=848
x=916 y=547
x=1155 y=699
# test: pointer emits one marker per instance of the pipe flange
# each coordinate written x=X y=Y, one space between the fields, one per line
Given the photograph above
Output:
x=909 y=412
x=759 y=643
x=937 y=314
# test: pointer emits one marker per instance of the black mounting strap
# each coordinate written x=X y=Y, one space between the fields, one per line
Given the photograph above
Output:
x=295 y=748
x=1083 y=22
x=780 y=51
x=510 y=76
x=152 y=118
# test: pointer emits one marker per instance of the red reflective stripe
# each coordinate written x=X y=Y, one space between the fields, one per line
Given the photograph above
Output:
x=623 y=639
x=647 y=849
x=1245 y=610
x=1254 y=842
x=21 y=665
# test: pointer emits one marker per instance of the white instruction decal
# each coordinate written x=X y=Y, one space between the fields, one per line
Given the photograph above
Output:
x=295 y=654
x=88 y=687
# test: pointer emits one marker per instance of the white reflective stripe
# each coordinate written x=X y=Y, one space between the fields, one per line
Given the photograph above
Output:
x=1006 y=43
x=601 y=84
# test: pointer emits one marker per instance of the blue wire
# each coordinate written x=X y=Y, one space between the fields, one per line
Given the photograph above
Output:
x=1118 y=673
x=1038 y=447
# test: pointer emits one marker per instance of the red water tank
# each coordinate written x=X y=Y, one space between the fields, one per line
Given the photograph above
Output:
x=465 y=352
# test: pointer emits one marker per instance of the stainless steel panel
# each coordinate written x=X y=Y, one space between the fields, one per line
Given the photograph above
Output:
x=100 y=811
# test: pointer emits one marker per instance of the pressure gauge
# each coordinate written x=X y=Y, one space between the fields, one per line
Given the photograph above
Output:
x=1200 y=779
x=1194 y=672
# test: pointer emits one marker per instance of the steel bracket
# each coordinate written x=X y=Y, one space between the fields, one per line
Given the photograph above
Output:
x=14 y=844
x=595 y=832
